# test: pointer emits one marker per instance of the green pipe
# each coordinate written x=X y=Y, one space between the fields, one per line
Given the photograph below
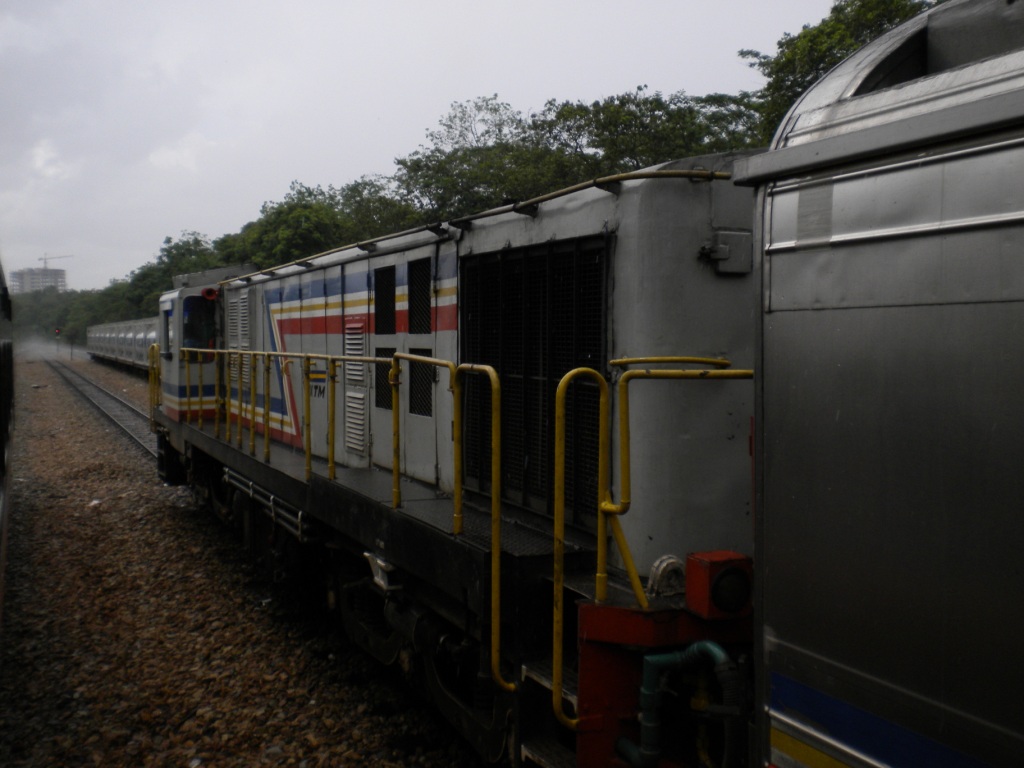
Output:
x=648 y=753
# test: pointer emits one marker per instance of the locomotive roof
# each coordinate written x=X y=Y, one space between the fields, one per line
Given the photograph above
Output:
x=715 y=166
x=954 y=70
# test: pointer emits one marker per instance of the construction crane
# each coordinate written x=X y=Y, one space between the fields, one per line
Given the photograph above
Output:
x=46 y=259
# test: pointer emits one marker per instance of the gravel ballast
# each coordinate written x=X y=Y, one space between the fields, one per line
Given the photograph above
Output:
x=137 y=633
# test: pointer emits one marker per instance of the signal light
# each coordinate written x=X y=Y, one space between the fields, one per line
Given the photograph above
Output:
x=56 y=331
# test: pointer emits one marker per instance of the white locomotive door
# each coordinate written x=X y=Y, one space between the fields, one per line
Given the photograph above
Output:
x=419 y=409
x=390 y=326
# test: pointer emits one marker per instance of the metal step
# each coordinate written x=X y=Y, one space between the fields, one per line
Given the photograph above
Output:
x=541 y=672
x=547 y=753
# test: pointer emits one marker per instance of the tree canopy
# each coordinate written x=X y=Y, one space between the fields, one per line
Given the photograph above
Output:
x=485 y=153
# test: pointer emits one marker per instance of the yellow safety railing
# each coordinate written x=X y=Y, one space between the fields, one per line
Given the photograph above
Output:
x=608 y=511
x=455 y=377
x=239 y=360
x=234 y=362
x=492 y=376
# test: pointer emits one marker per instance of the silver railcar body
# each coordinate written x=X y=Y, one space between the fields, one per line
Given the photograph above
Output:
x=890 y=421
x=126 y=342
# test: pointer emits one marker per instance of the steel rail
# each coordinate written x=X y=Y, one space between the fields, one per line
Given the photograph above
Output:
x=131 y=419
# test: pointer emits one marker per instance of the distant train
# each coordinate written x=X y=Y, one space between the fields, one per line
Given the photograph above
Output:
x=525 y=455
x=126 y=342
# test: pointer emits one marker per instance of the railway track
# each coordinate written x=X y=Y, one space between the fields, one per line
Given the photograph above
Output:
x=133 y=421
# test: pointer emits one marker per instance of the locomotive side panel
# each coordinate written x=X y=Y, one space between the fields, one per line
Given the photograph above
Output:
x=683 y=286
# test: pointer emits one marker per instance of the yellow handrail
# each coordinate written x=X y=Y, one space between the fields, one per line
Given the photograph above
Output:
x=495 y=383
x=456 y=374
x=218 y=401
x=266 y=411
x=200 y=421
x=188 y=386
x=307 y=436
x=603 y=473
x=606 y=507
x=394 y=378
x=252 y=405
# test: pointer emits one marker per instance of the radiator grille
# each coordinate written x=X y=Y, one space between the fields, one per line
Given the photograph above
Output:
x=534 y=314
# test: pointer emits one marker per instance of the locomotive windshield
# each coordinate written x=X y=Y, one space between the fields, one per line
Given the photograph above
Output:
x=199 y=329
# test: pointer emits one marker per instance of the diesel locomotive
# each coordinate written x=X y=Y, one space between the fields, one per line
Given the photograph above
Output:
x=453 y=423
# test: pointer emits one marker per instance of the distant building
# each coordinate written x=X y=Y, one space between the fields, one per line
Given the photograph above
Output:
x=28 y=280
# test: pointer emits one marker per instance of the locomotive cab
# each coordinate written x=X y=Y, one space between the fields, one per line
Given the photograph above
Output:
x=188 y=322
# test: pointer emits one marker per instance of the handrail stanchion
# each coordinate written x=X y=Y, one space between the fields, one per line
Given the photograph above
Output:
x=603 y=484
x=188 y=385
x=217 y=386
x=395 y=379
x=455 y=387
x=495 y=382
x=200 y=418
x=609 y=508
x=267 y=362
x=332 y=377
x=241 y=396
x=306 y=397
x=227 y=397
x=253 y=357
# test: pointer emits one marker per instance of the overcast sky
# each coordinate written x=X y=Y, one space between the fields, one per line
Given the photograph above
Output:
x=125 y=121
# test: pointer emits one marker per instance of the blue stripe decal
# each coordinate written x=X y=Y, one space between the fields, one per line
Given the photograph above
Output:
x=867 y=733
x=182 y=392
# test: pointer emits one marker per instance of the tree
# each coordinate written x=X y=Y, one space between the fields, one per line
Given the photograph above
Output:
x=485 y=154
x=372 y=206
x=620 y=133
x=306 y=222
x=728 y=122
x=801 y=60
x=628 y=131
